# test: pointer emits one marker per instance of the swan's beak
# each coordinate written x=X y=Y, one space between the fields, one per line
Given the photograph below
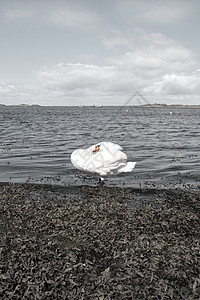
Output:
x=96 y=149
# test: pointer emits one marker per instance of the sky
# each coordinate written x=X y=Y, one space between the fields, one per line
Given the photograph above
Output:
x=92 y=52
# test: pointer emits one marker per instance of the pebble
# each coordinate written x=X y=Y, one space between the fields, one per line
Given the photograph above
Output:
x=100 y=243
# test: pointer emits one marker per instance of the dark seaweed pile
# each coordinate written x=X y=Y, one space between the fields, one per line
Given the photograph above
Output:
x=108 y=243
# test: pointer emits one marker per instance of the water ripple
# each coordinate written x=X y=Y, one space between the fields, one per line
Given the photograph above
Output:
x=36 y=143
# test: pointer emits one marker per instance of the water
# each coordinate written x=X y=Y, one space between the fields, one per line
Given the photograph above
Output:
x=36 y=144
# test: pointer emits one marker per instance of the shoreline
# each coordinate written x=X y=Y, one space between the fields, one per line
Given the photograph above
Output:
x=155 y=105
x=92 y=242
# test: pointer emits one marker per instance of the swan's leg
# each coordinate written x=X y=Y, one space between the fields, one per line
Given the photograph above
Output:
x=101 y=181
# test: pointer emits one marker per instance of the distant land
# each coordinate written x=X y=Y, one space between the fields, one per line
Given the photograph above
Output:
x=155 y=105
x=20 y=105
x=170 y=105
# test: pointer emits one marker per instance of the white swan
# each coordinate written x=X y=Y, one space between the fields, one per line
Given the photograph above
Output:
x=102 y=160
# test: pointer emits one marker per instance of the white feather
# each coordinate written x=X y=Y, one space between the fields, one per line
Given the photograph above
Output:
x=109 y=160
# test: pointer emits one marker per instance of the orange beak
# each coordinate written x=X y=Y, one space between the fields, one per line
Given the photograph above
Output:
x=96 y=149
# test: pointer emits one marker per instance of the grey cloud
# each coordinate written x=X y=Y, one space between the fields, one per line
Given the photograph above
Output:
x=155 y=58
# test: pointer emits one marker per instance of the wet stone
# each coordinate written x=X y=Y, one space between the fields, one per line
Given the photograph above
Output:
x=98 y=243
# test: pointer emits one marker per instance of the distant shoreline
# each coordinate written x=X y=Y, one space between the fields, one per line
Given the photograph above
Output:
x=155 y=105
x=170 y=105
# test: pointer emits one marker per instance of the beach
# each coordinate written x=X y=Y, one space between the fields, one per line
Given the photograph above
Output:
x=98 y=242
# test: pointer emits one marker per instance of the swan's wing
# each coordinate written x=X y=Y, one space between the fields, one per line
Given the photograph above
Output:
x=79 y=158
x=129 y=166
x=110 y=156
x=87 y=161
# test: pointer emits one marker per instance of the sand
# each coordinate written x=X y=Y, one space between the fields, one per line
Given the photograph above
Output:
x=98 y=243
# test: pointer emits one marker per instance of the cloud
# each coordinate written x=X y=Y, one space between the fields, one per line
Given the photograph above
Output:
x=11 y=94
x=155 y=64
x=71 y=77
x=72 y=17
x=117 y=39
x=164 y=12
x=176 y=84
x=155 y=55
x=19 y=14
x=6 y=89
x=68 y=15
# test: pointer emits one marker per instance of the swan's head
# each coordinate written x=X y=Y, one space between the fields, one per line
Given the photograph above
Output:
x=96 y=149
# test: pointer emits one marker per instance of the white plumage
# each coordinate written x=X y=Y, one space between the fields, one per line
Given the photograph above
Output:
x=103 y=159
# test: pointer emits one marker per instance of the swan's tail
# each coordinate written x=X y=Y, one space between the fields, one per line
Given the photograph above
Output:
x=129 y=167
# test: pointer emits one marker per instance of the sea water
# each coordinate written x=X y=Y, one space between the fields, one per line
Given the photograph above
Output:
x=36 y=144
